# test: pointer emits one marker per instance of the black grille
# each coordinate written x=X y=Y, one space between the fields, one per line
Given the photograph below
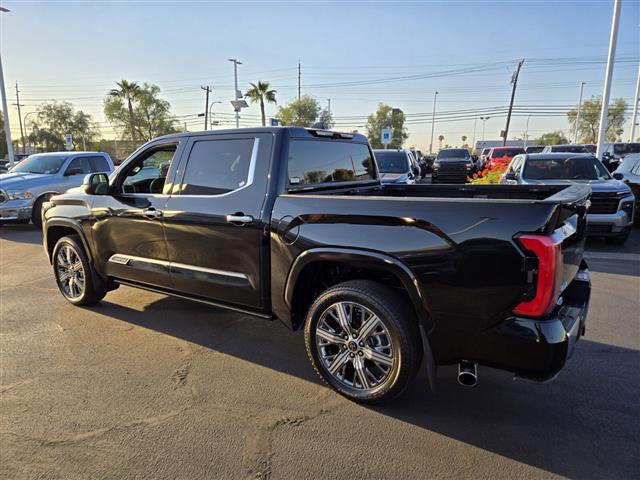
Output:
x=452 y=172
x=595 y=229
x=604 y=203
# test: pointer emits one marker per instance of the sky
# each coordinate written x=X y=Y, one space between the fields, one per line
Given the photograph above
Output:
x=357 y=54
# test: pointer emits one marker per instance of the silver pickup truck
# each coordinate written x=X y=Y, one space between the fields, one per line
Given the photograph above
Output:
x=35 y=179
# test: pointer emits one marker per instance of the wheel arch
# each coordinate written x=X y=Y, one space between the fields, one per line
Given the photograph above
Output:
x=56 y=228
x=317 y=269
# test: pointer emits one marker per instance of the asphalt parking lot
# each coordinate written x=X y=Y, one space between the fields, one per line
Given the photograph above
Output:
x=146 y=386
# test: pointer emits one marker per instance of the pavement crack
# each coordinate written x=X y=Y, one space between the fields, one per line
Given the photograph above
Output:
x=181 y=374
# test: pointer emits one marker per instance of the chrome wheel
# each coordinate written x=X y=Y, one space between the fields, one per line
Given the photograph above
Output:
x=354 y=345
x=70 y=272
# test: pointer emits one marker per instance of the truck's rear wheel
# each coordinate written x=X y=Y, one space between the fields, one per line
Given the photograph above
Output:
x=74 y=274
x=363 y=340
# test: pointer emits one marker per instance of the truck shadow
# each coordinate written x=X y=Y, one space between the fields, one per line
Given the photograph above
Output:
x=21 y=233
x=585 y=424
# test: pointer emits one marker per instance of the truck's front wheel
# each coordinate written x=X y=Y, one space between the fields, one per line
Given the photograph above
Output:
x=363 y=340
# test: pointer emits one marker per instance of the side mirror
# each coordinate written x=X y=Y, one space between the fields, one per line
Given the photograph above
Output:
x=73 y=171
x=511 y=176
x=96 y=184
x=618 y=176
x=416 y=171
x=606 y=156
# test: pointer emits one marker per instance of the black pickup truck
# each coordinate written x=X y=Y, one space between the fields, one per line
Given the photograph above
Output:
x=294 y=224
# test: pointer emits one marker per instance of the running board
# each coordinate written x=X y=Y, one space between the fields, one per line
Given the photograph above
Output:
x=265 y=316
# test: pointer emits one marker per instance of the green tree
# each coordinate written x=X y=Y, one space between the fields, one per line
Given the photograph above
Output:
x=589 y=126
x=128 y=91
x=151 y=114
x=304 y=113
x=387 y=117
x=440 y=139
x=259 y=94
x=551 y=138
x=56 y=119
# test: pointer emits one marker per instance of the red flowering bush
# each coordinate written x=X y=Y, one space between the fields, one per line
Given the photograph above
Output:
x=492 y=173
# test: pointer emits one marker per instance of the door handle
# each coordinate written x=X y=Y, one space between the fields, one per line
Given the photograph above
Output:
x=239 y=219
x=152 y=213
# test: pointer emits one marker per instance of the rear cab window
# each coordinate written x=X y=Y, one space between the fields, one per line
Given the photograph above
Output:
x=315 y=162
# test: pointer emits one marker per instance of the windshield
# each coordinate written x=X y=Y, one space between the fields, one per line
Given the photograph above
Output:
x=506 y=152
x=626 y=148
x=48 y=164
x=569 y=148
x=392 y=162
x=454 y=153
x=572 y=168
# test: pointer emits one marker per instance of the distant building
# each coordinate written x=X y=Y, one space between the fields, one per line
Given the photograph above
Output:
x=498 y=143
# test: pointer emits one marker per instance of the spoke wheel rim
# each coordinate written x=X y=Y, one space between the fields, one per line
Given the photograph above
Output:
x=355 y=346
x=70 y=272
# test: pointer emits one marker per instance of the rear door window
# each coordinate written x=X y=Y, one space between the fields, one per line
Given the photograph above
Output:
x=215 y=167
x=317 y=161
x=99 y=164
x=80 y=163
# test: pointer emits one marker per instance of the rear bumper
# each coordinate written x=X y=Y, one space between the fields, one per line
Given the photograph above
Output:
x=537 y=349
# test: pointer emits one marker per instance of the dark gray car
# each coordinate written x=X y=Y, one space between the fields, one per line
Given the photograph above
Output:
x=612 y=202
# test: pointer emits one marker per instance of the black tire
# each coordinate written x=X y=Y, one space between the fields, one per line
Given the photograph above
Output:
x=398 y=320
x=93 y=289
x=36 y=212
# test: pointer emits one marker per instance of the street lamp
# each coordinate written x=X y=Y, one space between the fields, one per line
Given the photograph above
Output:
x=526 y=129
x=483 y=119
x=5 y=110
x=24 y=122
x=211 y=114
x=433 y=122
x=238 y=104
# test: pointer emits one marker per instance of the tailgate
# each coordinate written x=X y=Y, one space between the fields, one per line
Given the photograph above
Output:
x=569 y=225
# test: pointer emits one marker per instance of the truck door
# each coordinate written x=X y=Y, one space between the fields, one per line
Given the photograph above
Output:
x=214 y=220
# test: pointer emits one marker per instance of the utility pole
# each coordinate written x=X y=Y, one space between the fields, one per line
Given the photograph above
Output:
x=433 y=122
x=207 y=89
x=575 y=133
x=329 y=105
x=514 y=82
x=236 y=62
x=5 y=110
x=17 y=104
x=299 y=77
x=607 y=80
x=634 y=117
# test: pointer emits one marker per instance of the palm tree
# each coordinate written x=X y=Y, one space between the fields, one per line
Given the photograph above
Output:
x=127 y=91
x=440 y=139
x=261 y=93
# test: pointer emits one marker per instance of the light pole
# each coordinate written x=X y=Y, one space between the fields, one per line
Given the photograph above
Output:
x=236 y=62
x=211 y=114
x=24 y=122
x=329 y=106
x=433 y=122
x=634 y=117
x=483 y=119
x=607 y=80
x=526 y=129
x=575 y=133
x=473 y=142
x=5 y=110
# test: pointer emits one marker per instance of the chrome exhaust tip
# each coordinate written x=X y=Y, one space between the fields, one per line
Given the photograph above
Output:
x=467 y=374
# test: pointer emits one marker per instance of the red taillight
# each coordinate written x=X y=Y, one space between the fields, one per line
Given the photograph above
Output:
x=548 y=250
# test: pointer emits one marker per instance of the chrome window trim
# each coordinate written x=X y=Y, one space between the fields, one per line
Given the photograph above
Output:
x=250 y=173
x=122 y=259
